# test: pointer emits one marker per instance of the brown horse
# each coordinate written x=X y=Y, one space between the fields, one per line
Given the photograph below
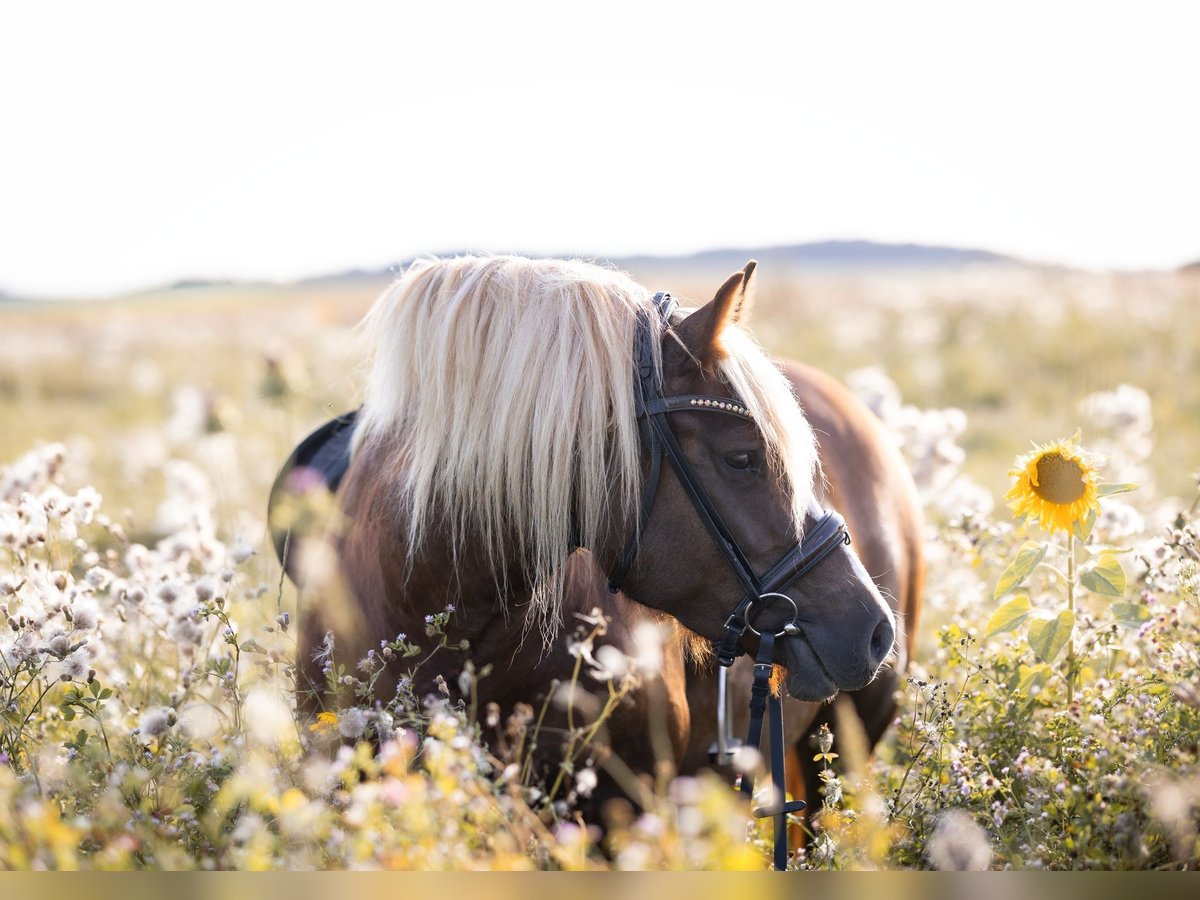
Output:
x=500 y=430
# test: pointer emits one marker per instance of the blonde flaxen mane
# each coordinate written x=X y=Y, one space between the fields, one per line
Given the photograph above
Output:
x=505 y=387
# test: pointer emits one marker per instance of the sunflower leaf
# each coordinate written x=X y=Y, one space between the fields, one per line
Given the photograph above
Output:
x=1031 y=676
x=1047 y=637
x=1104 y=576
x=1030 y=554
x=1107 y=490
x=1083 y=527
x=1130 y=615
x=1008 y=616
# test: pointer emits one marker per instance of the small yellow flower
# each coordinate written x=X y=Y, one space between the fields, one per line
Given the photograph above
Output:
x=326 y=723
x=1055 y=484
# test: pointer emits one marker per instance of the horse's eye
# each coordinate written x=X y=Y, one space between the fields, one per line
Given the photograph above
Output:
x=741 y=460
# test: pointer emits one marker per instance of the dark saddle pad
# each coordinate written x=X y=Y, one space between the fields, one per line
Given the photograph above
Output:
x=320 y=459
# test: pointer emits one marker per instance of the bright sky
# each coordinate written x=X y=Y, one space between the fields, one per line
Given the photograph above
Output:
x=140 y=144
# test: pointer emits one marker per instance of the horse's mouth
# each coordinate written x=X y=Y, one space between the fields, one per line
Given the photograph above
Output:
x=807 y=677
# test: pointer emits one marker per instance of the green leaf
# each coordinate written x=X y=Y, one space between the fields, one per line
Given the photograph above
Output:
x=1047 y=637
x=1107 y=490
x=81 y=738
x=1008 y=616
x=68 y=714
x=1031 y=676
x=1083 y=529
x=105 y=693
x=1018 y=570
x=94 y=687
x=1130 y=615
x=1104 y=576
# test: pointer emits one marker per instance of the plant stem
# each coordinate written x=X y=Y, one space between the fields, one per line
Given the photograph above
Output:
x=1071 y=607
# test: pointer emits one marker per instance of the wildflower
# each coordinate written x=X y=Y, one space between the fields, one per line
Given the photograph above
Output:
x=241 y=551
x=832 y=790
x=648 y=640
x=85 y=616
x=74 y=667
x=1125 y=409
x=1056 y=485
x=87 y=501
x=326 y=723
x=59 y=645
x=268 y=716
x=959 y=844
x=155 y=722
x=1119 y=520
x=352 y=723
x=825 y=738
x=824 y=847
x=609 y=663
x=98 y=577
x=385 y=725
x=585 y=782
x=186 y=632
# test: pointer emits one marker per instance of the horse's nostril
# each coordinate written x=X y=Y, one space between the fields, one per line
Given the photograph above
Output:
x=881 y=641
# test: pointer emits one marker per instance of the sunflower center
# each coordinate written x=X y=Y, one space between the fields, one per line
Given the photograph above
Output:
x=1060 y=480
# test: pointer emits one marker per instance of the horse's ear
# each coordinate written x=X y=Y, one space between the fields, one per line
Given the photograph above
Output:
x=701 y=331
x=741 y=312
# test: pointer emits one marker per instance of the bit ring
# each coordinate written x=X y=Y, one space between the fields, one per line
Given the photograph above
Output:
x=789 y=627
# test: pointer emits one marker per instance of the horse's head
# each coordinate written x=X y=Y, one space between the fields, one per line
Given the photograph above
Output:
x=756 y=466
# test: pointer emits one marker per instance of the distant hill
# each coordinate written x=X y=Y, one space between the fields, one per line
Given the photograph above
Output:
x=819 y=257
x=833 y=256
x=1192 y=268
x=822 y=256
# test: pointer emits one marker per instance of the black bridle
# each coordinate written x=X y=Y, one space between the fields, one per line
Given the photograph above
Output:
x=824 y=538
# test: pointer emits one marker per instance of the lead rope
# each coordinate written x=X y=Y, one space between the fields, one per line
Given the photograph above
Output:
x=762 y=701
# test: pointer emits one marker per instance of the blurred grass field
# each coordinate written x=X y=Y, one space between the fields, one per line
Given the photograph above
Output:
x=180 y=406
x=239 y=374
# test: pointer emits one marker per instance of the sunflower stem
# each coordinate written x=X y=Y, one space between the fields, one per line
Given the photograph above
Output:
x=1071 y=607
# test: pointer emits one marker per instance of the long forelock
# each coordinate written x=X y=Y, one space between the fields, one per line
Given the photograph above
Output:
x=764 y=390
x=503 y=387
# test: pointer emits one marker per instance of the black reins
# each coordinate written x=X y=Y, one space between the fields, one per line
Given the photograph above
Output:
x=824 y=538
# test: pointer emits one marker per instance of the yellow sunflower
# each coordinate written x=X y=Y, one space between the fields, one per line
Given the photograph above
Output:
x=1056 y=485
